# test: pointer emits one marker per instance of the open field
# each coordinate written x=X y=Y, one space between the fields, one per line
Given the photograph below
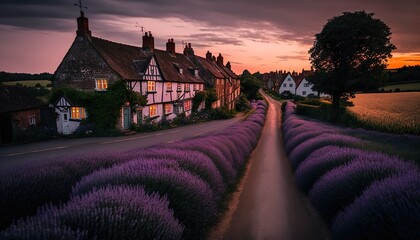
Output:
x=396 y=110
x=403 y=87
x=28 y=83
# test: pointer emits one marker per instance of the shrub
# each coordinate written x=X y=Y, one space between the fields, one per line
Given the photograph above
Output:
x=24 y=189
x=108 y=213
x=301 y=151
x=189 y=196
x=330 y=196
x=321 y=161
x=388 y=209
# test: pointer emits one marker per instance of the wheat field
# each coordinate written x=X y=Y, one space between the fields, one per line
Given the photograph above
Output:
x=396 y=110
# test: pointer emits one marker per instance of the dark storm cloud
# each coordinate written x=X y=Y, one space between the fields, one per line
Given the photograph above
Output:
x=266 y=20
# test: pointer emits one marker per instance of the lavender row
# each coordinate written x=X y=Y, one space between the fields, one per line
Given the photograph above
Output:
x=347 y=184
x=24 y=189
x=191 y=176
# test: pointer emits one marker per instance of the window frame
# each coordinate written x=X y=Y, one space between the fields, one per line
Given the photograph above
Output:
x=80 y=114
x=154 y=107
x=165 y=107
x=151 y=86
x=101 y=84
x=168 y=86
x=187 y=87
x=32 y=120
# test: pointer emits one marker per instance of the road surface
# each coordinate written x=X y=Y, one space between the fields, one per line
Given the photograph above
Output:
x=270 y=205
x=23 y=153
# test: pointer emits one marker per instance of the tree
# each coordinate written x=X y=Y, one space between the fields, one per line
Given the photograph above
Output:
x=249 y=85
x=350 y=54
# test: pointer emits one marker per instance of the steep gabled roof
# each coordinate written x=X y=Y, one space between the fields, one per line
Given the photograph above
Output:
x=211 y=66
x=170 y=63
x=126 y=60
x=14 y=98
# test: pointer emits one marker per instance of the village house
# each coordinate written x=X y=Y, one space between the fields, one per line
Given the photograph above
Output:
x=19 y=110
x=297 y=84
x=168 y=79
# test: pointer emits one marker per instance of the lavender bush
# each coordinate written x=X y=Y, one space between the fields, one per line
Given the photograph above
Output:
x=301 y=151
x=340 y=186
x=24 y=189
x=191 y=198
x=388 y=209
x=321 y=161
x=109 y=213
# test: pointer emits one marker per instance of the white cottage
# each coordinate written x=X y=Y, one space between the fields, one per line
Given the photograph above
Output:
x=288 y=85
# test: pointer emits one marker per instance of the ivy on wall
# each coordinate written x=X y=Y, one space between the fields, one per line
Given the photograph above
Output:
x=103 y=108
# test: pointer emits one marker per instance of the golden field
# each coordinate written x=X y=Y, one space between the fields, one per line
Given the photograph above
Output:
x=396 y=110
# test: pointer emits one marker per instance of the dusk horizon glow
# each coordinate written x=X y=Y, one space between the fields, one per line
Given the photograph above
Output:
x=258 y=36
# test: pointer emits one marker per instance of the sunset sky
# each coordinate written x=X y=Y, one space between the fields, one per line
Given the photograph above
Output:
x=258 y=35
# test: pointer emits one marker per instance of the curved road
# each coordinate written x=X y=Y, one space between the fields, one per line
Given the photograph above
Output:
x=270 y=205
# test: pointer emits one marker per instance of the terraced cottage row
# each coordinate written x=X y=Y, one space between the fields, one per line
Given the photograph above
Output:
x=361 y=194
x=167 y=191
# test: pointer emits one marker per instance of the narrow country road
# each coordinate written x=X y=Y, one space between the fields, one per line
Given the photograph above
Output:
x=270 y=205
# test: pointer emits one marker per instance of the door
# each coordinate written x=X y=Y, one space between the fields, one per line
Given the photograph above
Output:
x=126 y=118
x=65 y=123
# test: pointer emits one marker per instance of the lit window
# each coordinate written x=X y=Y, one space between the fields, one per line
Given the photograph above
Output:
x=168 y=86
x=187 y=87
x=78 y=113
x=152 y=110
x=101 y=84
x=168 y=108
x=151 y=86
x=178 y=88
x=187 y=105
x=32 y=120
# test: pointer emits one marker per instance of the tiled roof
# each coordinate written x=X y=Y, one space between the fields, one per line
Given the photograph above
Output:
x=15 y=98
x=211 y=66
x=170 y=63
x=128 y=61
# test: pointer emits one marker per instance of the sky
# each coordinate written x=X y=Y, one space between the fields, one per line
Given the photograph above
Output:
x=257 y=35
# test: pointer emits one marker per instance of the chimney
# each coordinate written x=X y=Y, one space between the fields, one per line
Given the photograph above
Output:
x=209 y=56
x=188 y=50
x=83 y=26
x=148 y=41
x=228 y=65
x=220 y=60
x=170 y=46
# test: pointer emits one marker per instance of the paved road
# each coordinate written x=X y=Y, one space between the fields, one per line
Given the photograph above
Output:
x=270 y=206
x=21 y=154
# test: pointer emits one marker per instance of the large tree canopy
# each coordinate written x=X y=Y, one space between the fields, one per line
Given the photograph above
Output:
x=350 y=54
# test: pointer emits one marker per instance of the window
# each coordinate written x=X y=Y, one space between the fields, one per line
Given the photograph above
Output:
x=101 y=84
x=196 y=72
x=284 y=85
x=178 y=88
x=187 y=105
x=187 y=87
x=168 y=108
x=152 y=110
x=78 y=113
x=168 y=86
x=195 y=87
x=180 y=71
x=291 y=85
x=32 y=120
x=151 y=86
x=304 y=93
x=306 y=85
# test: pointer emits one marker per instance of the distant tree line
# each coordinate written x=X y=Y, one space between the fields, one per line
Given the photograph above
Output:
x=405 y=74
x=6 y=76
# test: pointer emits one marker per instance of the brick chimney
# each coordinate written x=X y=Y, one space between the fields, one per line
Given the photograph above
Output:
x=148 y=41
x=209 y=56
x=228 y=66
x=170 y=46
x=188 y=50
x=220 y=60
x=83 y=26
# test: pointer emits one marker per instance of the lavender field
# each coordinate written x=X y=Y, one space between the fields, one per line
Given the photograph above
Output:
x=360 y=191
x=170 y=191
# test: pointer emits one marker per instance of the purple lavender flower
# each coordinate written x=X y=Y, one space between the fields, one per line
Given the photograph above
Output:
x=388 y=209
x=340 y=186
x=109 y=213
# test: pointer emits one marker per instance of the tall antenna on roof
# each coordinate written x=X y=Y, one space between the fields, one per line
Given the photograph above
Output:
x=138 y=26
x=80 y=7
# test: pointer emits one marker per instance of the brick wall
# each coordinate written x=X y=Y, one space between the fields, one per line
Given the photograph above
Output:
x=21 y=119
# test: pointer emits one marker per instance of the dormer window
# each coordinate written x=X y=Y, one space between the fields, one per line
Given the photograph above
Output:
x=101 y=84
x=196 y=72
x=180 y=71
